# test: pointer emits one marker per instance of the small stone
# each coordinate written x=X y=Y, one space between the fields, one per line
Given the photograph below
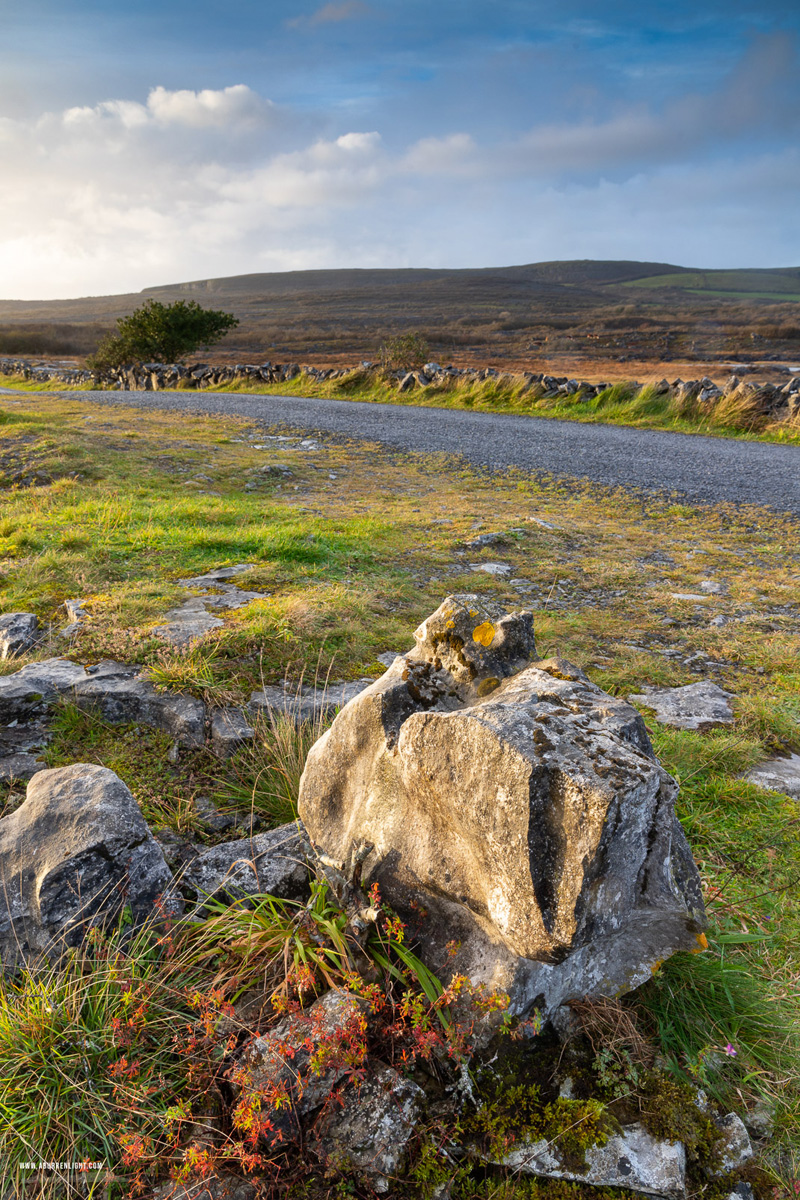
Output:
x=18 y=633
x=760 y=1121
x=698 y=706
x=371 y=1130
x=778 y=775
x=486 y=539
x=735 y=1149
x=210 y=815
x=497 y=569
x=689 y=596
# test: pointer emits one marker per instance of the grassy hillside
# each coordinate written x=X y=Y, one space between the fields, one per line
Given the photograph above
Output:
x=601 y=310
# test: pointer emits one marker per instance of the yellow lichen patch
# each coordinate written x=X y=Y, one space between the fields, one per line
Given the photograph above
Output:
x=484 y=634
x=488 y=685
x=702 y=944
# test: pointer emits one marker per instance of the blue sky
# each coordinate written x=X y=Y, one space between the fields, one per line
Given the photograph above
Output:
x=155 y=142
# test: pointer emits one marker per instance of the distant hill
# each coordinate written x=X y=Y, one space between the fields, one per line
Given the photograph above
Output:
x=521 y=310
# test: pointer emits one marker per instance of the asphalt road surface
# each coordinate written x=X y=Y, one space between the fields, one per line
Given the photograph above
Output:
x=701 y=469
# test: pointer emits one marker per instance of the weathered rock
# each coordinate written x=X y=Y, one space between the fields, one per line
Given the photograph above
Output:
x=632 y=1159
x=760 y=1120
x=520 y=805
x=121 y=696
x=281 y=1059
x=699 y=706
x=188 y=621
x=778 y=775
x=371 y=1130
x=192 y=619
x=29 y=691
x=305 y=703
x=230 y=729
x=19 y=768
x=73 y=855
x=18 y=632
x=274 y=862
x=117 y=692
x=77 y=616
x=735 y=1149
x=210 y=815
x=491 y=568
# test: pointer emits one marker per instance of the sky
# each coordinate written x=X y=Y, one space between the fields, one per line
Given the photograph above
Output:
x=160 y=141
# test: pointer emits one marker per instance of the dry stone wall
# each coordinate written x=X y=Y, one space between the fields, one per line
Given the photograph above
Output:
x=779 y=400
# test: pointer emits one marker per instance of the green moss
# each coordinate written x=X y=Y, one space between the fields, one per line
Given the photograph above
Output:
x=518 y=1113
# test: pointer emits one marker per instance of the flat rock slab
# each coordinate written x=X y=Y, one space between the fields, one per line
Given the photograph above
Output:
x=778 y=775
x=305 y=703
x=497 y=569
x=632 y=1159
x=18 y=632
x=192 y=619
x=215 y=578
x=116 y=691
x=697 y=706
x=19 y=768
x=695 y=596
x=230 y=729
x=274 y=862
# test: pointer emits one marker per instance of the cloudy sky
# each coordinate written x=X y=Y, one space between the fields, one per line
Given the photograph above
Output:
x=154 y=141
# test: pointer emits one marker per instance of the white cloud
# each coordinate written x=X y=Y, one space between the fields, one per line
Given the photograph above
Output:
x=122 y=194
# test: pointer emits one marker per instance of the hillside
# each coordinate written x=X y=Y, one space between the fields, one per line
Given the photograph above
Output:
x=616 y=309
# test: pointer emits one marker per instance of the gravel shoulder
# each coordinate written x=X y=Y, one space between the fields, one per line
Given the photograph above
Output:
x=695 y=468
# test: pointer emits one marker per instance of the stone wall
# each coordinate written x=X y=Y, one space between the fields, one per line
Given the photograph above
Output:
x=776 y=400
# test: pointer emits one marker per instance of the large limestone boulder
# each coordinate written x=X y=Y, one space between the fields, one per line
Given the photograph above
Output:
x=520 y=805
x=73 y=855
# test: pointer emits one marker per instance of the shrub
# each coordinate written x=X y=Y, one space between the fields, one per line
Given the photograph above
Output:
x=161 y=333
x=406 y=352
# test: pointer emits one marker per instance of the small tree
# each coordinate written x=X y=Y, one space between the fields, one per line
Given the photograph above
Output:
x=406 y=352
x=161 y=333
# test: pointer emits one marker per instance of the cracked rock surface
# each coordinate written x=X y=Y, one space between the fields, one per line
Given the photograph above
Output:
x=519 y=804
x=192 y=619
x=632 y=1159
x=72 y=855
x=699 y=706
x=18 y=632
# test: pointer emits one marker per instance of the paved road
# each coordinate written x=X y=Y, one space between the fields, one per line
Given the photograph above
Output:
x=698 y=468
